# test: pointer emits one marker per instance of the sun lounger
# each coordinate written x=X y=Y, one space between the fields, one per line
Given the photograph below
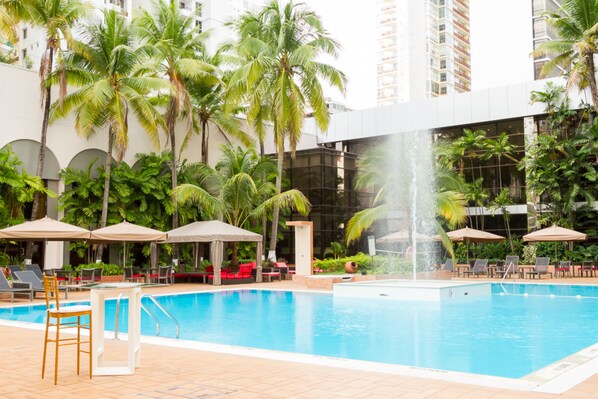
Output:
x=540 y=268
x=18 y=288
x=34 y=267
x=479 y=267
x=37 y=285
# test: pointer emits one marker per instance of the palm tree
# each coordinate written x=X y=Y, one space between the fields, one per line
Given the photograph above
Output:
x=105 y=69
x=56 y=18
x=374 y=174
x=500 y=202
x=11 y=12
x=281 y=75
x=175 y=44
x=501 y=147
x=208 y=107
x=576 y=24
x=235 y=191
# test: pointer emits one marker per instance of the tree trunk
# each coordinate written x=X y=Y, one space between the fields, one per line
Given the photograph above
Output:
x=276 y=211
x=106 y=197
x=592 y=80
x=42 y=149
x=264 y=218
x=204 y=142
x=170 y=121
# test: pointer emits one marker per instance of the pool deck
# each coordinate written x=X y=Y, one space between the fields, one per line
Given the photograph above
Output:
x=180 y=373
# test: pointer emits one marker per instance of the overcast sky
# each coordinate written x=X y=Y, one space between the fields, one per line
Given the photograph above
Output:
x=500 y=44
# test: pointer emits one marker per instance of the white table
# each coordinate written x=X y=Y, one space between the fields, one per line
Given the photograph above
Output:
x=99 y=294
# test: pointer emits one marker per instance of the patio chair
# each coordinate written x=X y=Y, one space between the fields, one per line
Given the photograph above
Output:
x=34 y=267
x=37 y=285
x=60 y=318
x=271 y=273
x=284 y=269
x=86 y=276
x=18 y=288
x=586 y=269
x=563 y=267
x=512 y=265
x=499 y=269
x=540 y=268
x=164 y=275
x=479 y=267
x=133 y=274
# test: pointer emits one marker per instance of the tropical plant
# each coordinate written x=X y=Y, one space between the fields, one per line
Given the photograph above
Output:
x=374 y=175
x=105 y=69
x=17 y=188
x=499 y=148
x=336 y=249
x=500 y=203
x=478 y=195
x=280 y=76
x=56 y=18
x=11 y=13
x=234 y=190
x=575 y=25
x=207 y=97
x=174 y=44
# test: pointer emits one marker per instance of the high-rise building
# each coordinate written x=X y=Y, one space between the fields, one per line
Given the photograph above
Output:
x=209 y=15
x=423 y=49
x=543 y=32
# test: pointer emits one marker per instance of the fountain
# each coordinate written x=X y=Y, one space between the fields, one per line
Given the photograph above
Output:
x=408 y=191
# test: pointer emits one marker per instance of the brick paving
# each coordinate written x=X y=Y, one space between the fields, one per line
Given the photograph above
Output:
x=177 y=373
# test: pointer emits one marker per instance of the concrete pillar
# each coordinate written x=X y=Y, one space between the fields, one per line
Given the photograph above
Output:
x=304 y=247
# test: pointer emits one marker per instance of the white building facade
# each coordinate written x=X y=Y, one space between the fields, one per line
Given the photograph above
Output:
x=423 y=49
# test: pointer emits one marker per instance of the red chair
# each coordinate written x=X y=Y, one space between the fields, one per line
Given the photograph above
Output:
x=284 y=269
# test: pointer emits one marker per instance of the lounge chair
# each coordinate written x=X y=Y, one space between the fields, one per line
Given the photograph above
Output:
x=13 y=269
x=479 y=267
x=284 y=269
x=563 y=267
x=34 y=267
x=512 y=265
x=37 y=285
x=18 y=288
x=448 y=265
x=540 y=268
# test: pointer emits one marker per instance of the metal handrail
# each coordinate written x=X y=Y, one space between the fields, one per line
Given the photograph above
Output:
x=152 y=315
x=153 y=299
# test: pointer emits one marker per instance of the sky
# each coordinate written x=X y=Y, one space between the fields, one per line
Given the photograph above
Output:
x=500 y=44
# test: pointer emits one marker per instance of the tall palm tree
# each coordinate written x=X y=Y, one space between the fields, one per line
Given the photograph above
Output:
x=105 y=70
x=56 y=18
x=281 y=75
x=576 y=24
x=234 y=190
x=501 y=147
x=175 y=44
x=207 y=97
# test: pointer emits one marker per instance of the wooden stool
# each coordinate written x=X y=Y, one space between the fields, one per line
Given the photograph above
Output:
x=54 y=318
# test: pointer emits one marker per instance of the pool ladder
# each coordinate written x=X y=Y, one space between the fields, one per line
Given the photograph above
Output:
x=150 y=313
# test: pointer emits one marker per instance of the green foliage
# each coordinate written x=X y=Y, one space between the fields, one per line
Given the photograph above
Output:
x=336 y=249
x=109 y=269
x=528 y=255
x=335 y=266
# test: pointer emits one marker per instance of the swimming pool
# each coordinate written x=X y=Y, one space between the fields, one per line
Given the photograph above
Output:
x=500 y=335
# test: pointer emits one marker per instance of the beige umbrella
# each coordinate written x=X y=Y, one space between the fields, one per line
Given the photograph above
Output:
x=45 y=229
x=555 y=233
x=128 y=232
x=468 y=235
x=403 y=236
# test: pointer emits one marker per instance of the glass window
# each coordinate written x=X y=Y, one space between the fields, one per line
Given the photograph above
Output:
x=25 y=33
x=442 y=64
x=442 y=38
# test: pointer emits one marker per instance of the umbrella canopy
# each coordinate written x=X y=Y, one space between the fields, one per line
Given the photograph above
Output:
x=211 y=230
x=127 y=232
x=217 y=233
x=472 y=235
x=555 y=233
x=403 y=236
x=46 y=229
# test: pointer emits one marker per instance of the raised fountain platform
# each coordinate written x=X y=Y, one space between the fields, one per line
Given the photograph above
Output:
x=419 y=290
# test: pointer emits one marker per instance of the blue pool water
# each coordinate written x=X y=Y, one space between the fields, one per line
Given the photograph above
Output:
x=501 y=335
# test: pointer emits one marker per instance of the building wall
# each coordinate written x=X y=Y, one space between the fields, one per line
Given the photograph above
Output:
x=423 y=49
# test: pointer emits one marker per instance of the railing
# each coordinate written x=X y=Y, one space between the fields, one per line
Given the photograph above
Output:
x=150 y=313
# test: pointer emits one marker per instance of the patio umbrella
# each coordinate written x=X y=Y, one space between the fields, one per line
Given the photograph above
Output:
x=555 y=233
x=403 y=236
x=128 y=232
x=468 y=235
x=45 y=229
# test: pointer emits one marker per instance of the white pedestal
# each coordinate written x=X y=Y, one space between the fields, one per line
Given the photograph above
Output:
x=99 y=293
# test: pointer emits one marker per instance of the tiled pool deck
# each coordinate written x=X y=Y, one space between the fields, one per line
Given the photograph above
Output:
x=168 y=372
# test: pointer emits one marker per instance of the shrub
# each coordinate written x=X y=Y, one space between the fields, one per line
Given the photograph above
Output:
x=109 y=269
